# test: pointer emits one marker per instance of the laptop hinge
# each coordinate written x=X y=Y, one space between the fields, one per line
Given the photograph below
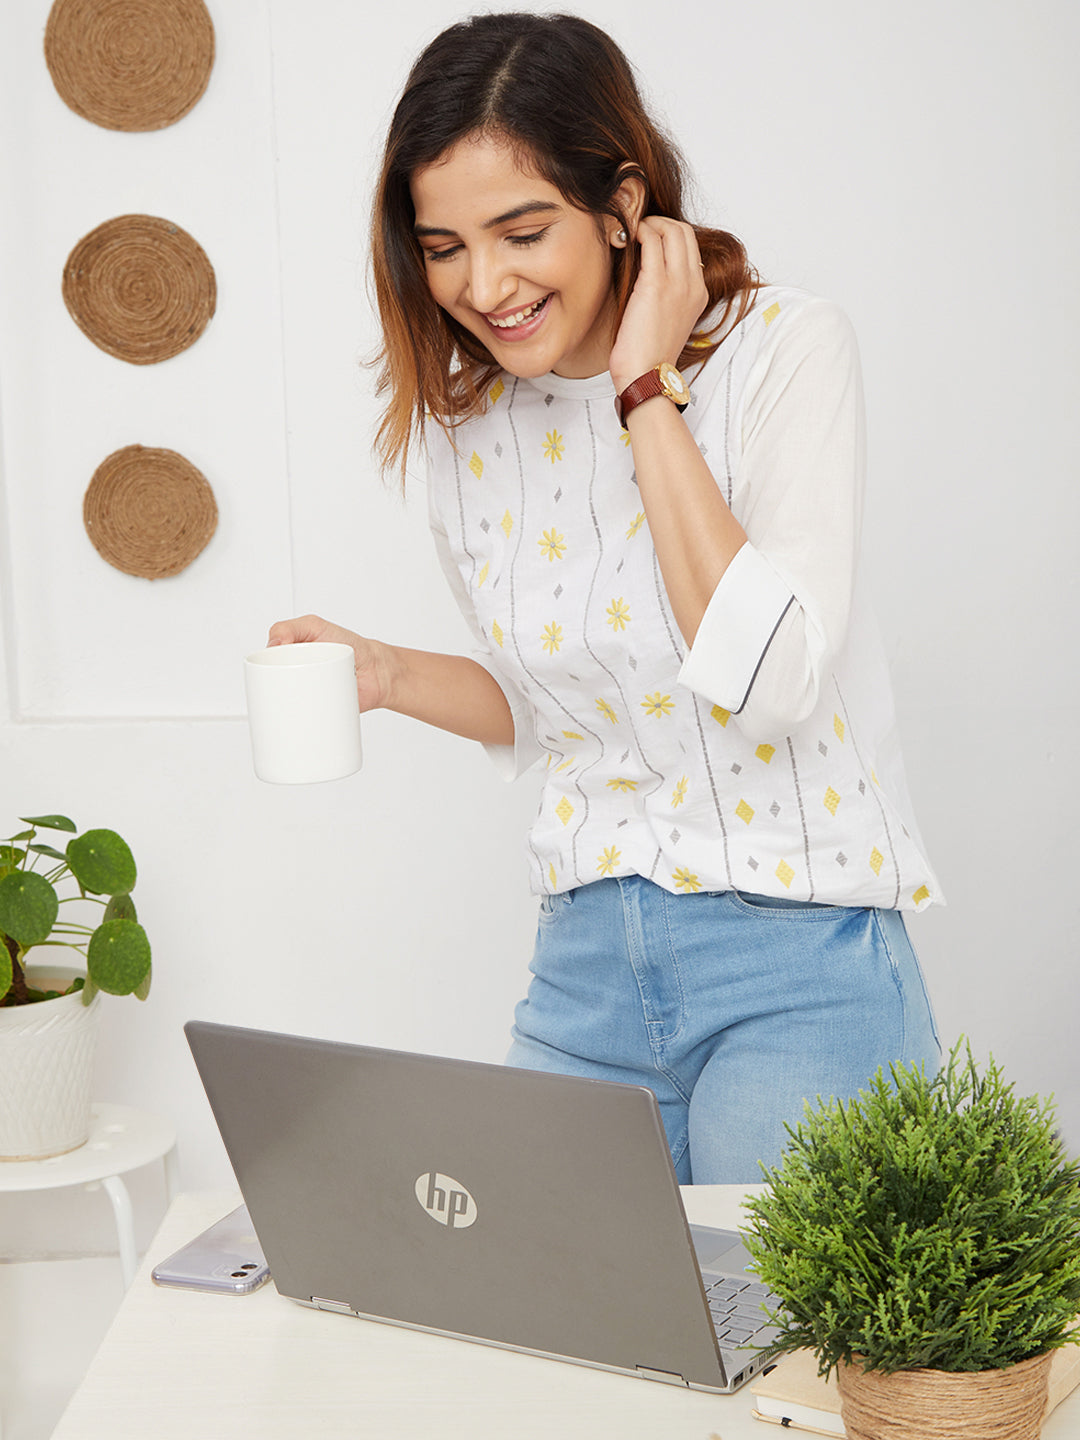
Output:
x=339 y=1307
x=669 y=1377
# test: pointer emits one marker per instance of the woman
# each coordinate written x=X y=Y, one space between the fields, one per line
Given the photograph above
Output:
x=645 y=474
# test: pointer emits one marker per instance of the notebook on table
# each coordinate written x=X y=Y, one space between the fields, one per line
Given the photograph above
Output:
x=536 y=1212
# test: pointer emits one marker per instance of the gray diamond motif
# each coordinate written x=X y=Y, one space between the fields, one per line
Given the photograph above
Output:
x=774 y=809
x=619 y=566
x=485 y=526
x=841 y=859
x=675 y=837
x=752 y=863
x=548 y=399
x=558 y=495
x=624 y=757
x=823 y=747
x=621 y=824
x=558 y=591
x=631 y=662
x=498 y=448
x=736 y=769
x=862 y=787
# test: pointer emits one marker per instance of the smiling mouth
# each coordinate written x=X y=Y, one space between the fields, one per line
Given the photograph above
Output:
x=511 y=322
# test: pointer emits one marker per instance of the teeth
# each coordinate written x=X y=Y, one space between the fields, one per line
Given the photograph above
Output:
x=509 y=321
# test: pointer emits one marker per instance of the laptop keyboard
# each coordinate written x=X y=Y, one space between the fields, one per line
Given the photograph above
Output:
x=735 y=1304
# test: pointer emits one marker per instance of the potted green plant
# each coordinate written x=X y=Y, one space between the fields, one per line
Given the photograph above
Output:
x=924 y=1240
x=49 y=1012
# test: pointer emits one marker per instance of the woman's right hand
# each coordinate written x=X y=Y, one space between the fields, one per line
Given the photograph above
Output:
x=372 y=657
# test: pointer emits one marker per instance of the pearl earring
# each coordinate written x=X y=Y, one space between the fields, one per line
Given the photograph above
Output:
x=621 y=236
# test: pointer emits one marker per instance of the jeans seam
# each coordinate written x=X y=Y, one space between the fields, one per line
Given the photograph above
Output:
x=634 y=949
x=897 y=978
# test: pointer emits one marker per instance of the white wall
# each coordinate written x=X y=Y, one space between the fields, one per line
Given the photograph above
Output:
x=916 y=162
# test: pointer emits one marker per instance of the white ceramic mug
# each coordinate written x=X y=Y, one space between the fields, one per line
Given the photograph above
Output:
x=303 y=712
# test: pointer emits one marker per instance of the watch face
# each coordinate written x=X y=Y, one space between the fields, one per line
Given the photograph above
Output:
x=673 y=384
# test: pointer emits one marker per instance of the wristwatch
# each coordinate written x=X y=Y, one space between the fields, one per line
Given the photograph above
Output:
x=663 y=380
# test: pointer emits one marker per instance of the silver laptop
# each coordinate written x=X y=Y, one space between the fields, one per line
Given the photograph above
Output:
x=536 y=1212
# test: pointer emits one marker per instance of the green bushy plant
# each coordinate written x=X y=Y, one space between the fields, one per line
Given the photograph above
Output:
x=929 y=1222
x=98 y=869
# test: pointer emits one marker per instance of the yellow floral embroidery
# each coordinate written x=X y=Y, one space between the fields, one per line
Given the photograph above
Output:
x=607 y=712
x=921 y=894
x=476 y=465
x=553 y=877
x=552 y=637
x=493 y=394
x=785 y=874
x=553 y=544
x=636 y=524
x=618 y=613
x=573 y=735
x=720 y=715
x=483 y=574
x=622 y=784
x=678 y=795
x=626 y=437
x=608 y=860
x=684 y=880
x=554 y=445
x=496 y=633
x=657 y=704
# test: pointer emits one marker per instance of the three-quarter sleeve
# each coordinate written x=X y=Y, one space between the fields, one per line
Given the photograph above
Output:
x=779 y=614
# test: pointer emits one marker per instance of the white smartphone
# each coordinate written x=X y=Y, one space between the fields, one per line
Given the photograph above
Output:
x=226 y=1258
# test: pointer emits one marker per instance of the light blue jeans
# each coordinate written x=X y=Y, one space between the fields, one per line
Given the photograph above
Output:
x=733 y=1008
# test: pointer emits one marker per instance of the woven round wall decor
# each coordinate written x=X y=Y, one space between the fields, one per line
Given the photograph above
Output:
x=130 y=64
x=149 y=512
x=140 y=288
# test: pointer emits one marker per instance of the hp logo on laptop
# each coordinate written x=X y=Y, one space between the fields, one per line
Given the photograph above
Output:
x=446 y=1200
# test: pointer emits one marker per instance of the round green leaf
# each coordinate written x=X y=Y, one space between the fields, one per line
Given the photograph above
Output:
x=50 y=822
x=118 y=957
x=120 y=907
x=7 y=971
x=28 y=908
x=10 y=857
x=102 y=863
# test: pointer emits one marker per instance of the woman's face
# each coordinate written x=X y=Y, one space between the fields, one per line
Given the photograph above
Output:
x=514 y=262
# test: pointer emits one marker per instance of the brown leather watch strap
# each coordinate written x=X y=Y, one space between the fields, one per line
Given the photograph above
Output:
x=645 y=387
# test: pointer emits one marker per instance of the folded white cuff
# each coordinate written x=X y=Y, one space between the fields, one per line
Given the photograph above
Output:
x=735 y=632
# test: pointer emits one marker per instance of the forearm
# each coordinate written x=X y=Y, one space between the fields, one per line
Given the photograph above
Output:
x=451 y=692
x=693 y=531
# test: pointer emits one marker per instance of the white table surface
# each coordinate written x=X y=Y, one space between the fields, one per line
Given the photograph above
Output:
x=177 y=1365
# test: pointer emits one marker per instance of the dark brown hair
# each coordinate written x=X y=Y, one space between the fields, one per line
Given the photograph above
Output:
x=563 y=94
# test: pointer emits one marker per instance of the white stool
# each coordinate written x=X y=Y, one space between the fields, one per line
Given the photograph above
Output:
x=121 y=1139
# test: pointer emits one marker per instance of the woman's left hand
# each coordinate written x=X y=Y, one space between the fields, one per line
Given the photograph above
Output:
x=666 y=303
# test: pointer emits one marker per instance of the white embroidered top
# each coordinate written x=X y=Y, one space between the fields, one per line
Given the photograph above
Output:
x=762 y=759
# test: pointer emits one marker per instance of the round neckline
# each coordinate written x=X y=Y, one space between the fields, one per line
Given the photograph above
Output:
x=592 y=387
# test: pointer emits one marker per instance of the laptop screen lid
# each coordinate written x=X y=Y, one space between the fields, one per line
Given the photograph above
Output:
x=537 y=1212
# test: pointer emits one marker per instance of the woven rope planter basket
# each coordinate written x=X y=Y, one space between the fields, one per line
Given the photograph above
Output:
x=130 y=64
x=1003 y=1404
x=140 y=288
x=149 y=512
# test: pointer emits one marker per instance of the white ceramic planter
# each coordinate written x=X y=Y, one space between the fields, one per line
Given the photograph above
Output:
x=47 y=1069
